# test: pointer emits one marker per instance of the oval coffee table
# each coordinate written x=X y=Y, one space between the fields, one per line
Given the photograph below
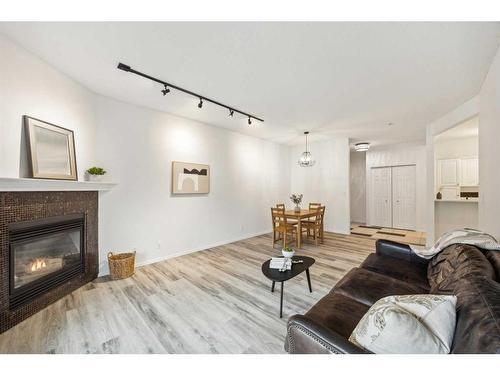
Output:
x=280 y=277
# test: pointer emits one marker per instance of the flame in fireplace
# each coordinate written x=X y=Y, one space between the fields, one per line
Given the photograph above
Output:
x=38 y=264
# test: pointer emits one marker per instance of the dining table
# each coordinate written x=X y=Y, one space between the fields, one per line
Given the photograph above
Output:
x=299 y=216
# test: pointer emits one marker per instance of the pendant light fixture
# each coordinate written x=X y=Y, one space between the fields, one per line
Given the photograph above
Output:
x=306 y=159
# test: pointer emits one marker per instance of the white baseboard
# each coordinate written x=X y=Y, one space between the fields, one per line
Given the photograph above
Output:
x=103 y=271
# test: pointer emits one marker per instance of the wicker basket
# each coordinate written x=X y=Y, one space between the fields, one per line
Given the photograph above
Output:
x=121 y=265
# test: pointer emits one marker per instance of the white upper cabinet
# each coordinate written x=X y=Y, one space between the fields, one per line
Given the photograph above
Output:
x=458 y=172
x=469 y=169
x=448 y=172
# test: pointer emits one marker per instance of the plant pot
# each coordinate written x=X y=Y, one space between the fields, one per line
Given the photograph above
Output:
x=288 y=254
x=94 y=177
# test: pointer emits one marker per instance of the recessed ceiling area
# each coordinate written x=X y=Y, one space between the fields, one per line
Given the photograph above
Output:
x=348 y=79
x=467 y=129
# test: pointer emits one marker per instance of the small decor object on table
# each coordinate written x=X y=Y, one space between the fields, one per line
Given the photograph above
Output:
x=288 y=252
x=296 y=198
x=121 y=265
x=281 y=264
x=95 y=173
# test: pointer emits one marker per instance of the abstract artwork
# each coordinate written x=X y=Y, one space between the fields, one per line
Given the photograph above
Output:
x=190 y=178
x=51 y=150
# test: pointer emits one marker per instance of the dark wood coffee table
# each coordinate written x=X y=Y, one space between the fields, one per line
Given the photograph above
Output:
x=280 y=277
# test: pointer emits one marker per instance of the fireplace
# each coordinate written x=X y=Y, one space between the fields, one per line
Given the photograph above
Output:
x=48 y=248
x=43 y=254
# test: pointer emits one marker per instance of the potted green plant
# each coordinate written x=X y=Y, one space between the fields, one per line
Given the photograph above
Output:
x=296 y=198
x=288 y=252
x=95 y=173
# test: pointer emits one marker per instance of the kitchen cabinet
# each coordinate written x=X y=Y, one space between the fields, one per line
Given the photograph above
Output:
x=469 y=172
x=448 y=172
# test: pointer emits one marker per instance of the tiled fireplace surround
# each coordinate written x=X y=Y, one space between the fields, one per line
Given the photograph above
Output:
x=25 y=206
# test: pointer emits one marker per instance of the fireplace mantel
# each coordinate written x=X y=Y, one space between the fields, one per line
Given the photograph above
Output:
x=33 y=184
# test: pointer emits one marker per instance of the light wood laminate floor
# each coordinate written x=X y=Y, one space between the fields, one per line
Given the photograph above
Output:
x=212 y=301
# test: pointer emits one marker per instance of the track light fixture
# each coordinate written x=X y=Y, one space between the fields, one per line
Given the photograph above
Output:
x=165 y=91
x=168 y=86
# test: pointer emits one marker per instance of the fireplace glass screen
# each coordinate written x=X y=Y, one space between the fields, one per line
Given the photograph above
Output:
x=39 y=256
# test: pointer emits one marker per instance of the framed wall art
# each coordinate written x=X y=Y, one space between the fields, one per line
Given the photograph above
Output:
x=190 y=178
x=51 y=150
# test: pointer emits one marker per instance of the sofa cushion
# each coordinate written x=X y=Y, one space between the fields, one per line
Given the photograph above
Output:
x=478 y=316
x=493 y=257
x=400 y=269
x=368 y=287
x=338 y=313
x=453 y=264
x=422 y=324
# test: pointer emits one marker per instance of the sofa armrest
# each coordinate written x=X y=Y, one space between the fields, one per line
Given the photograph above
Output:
x=304 y=336
x=399 y=251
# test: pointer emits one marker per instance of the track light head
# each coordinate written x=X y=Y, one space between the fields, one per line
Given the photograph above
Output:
x=249 y=120
x=165 y=91
x=231 y=113
x=124 y=67
x=200 y=104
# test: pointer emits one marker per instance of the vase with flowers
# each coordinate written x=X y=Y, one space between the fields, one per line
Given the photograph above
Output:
x=296 y=198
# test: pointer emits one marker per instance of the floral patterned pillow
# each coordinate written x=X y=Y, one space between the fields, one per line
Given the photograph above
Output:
x=413 y=324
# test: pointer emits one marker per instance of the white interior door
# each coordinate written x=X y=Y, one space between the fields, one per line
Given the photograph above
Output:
x=381 y=193
x=404 y=197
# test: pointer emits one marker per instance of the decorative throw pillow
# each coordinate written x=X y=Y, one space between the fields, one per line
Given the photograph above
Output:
x=413 y=324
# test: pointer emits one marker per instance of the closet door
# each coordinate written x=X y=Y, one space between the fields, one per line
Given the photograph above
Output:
x=404 y=197
x=381 y=193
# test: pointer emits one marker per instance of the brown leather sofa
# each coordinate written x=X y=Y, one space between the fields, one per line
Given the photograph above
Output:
x=465 y=271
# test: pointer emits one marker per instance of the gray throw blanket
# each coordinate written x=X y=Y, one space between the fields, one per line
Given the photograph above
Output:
x=463 y=236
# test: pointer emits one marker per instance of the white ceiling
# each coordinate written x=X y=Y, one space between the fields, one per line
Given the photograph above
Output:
x=349 y=79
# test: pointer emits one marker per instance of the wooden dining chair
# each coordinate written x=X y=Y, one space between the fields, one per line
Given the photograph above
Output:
x=282 y=227
x=315 y=226
x=322 y=234
x=312 y=206
x=282 y=206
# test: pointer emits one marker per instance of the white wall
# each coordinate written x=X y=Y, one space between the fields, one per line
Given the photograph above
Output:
x=28 y=86
x=489 y=141
x=453 y=215
x=137 y=145
x=460 y=114
x=358 y=186
x=457 y=148
x=327 y=182
x=394 y=155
